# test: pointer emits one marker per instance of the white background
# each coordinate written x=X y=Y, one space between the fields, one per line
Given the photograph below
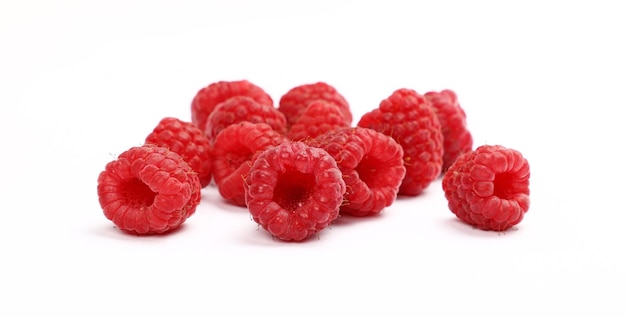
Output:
x=81 y=82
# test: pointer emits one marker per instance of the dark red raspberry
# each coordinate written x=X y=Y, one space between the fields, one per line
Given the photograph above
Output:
x=188 y=141
x=371 y=164
x=294 y=190
x=148 y=190
x=319 y=117
x=210 y=96
x=457 y=138
x=411 y=121
x=295 y=101
x=489 y=187
x=244 y=108
x=232 y=154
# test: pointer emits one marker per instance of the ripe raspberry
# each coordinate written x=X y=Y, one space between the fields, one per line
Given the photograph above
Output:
x=294 y=190
x=371 y=164
x=457 y=138
x=148 y=190
x=232 y=154
x=319 y=117
x=411 y=121
x=295 y=101
x=188 y=141
x=488 y=187
x=243 y=108
x=210 y=96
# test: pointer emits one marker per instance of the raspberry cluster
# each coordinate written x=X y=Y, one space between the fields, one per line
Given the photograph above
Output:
x=299 y=165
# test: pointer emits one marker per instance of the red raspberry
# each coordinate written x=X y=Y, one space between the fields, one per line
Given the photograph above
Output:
x=295 y=101
x=188 y=141
x=294 y=190
x=456 y=137
x=410 y=119
x=371 y=164
x=243 y=108
x=232 y=154
x=488 y=187
x=319 y=117
x=148 y=190
x=210 y=96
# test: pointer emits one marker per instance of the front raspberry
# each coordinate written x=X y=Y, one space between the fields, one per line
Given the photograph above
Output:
x=232 y=154
x=148 y=190
x=457 y=138
x=243 y=108
x=371 y=164
x=294 y=190
x=489 y=188
x=411 y=121
x=319 y=117
x=296 y=100
x=188 y=141
x=207 y=98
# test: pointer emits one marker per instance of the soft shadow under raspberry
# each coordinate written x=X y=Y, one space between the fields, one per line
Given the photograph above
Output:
x=349 y=220
x=113 y=232
x=456 y=225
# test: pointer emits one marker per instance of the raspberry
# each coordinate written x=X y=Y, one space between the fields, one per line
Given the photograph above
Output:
x=232 y=154
x=210 y=96
x=188 y=141
x=371 y=164
x=243 y=108
x=456 y=137
x=295 y=101
x=319 y=117
x=148 y=190
x=411 y=121
x=488 y=187
x=294 y=190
